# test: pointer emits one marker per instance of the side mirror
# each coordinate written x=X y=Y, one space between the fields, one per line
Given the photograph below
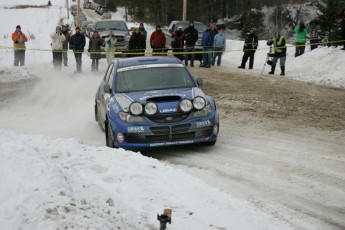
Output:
x=199 y=80
x=107 y=89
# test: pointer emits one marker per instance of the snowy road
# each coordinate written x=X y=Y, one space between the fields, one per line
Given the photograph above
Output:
x=296 y=176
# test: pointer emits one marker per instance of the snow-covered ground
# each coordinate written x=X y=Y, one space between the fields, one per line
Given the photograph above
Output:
x=56 y=176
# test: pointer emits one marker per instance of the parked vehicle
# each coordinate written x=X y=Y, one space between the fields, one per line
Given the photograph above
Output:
x=106 y=15
x=154 y=101
x=119 y=29
x=84 y=25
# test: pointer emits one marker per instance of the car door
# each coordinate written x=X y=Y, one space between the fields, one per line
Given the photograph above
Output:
x=106 y=92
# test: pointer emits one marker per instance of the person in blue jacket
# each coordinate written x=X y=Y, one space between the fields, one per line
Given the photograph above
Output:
x=77 y=44
x=207 y=45
x=219 y=45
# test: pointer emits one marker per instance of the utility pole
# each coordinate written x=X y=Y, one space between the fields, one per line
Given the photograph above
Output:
x=67 y=6
x=184 y=15
x=78 y=13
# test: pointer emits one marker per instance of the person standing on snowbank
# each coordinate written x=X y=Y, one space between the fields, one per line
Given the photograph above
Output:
x=19 y=39
x=301 y=38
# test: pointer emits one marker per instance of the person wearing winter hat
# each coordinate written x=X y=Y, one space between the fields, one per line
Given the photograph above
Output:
x=158 y=41
x=77 y=44
x=191 y=37
x=279 y=46
x=19 y=39
x=65 y=44
x=143 y=31
x=249 y=48
x=58 y=39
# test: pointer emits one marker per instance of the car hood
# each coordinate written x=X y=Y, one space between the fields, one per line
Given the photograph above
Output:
x=115 y=32
x=166 y=100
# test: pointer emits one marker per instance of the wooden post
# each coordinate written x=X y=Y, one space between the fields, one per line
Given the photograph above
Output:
x=184 y=15
x=78 y=13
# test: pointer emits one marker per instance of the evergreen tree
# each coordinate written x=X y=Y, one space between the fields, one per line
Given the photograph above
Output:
x=328 y=20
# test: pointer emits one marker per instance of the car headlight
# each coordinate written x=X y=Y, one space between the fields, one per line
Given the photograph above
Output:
x=199 y=103
x=136 y=108
x=186 y=105
x=203 y=112
x=127 y=38
x=151 y=108
x=131 y=118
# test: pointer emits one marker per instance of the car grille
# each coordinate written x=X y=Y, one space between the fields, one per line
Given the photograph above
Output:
x=169 y=133
x=118 y=38
x=168 y=118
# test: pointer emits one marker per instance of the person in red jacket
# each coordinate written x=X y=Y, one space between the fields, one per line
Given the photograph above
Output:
x=178 y=43
x=158 y=41
x=19 y=39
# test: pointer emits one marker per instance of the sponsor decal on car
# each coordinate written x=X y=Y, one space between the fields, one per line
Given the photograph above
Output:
x=136 y=129
x=168 y=110
x=171 y=143
x=119 y=70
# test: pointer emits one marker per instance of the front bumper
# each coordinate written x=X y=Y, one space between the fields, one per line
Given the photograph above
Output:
x=146 y=136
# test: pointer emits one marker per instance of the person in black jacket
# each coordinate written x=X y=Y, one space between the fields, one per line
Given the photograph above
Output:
x=191 y=36
x=77 y=44
x=249 y=48
x=137 y=43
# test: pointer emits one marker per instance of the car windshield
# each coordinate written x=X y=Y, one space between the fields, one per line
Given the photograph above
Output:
x=157 y=78
x=111 y=25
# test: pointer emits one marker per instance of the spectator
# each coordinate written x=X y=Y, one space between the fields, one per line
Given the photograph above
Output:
x=58 y=39
x=313 y=34
x=19 y=39
x=95 y=44
x=158 y=41
x=65 y=44
x=137 y=43
x=143 y=32
x=342 y=26
x=279 y=47
x=191 y=36
x=178 y=43
x=249 y=48
x=109 y=47
x=77 y=44
x=207 y=44
x=301 y=38
x=219 y=45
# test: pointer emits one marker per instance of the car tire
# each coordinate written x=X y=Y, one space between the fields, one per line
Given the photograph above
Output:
x=109 y=140
x=96 y=113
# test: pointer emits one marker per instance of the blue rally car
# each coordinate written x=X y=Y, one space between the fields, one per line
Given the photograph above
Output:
x=154 y=101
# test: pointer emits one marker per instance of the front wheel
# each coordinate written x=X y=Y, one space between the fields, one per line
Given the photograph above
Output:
x=108 y=136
